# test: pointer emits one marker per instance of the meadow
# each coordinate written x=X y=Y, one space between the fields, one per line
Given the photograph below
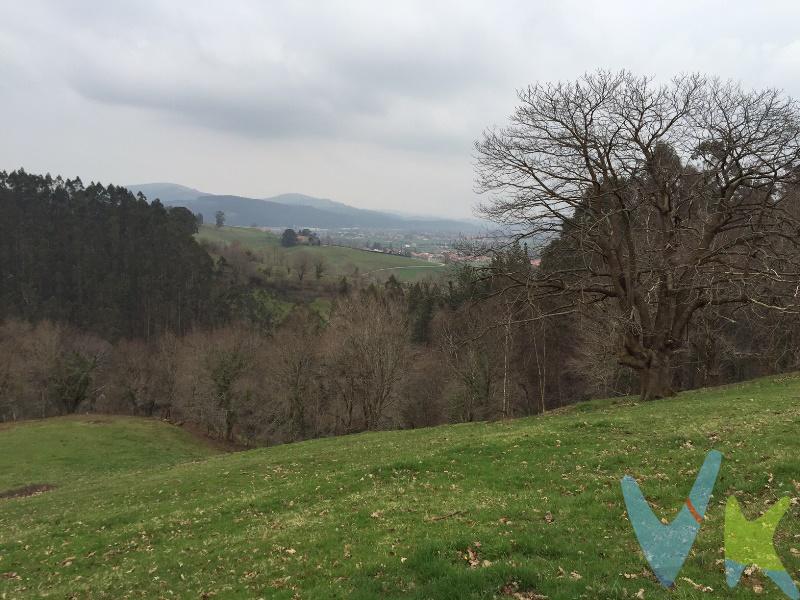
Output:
x=527 y=509
x=340 y=260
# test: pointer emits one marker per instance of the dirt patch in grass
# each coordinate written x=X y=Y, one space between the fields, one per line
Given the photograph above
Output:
x=33 y=489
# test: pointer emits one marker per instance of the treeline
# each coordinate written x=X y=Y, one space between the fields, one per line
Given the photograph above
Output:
x=107 y=304
x=387 y=356
x=99 y=258
x=308 y=378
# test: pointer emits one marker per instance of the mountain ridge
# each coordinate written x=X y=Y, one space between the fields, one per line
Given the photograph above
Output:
x=291 y=210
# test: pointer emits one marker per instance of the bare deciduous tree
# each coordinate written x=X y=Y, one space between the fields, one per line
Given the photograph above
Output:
x=293 y=376
x=656 y=201
x=133 y=380
x=227 y=363
x=302 y=263
x=214 y=378
x=320 y=266
x=467 y=354
x=369 y=342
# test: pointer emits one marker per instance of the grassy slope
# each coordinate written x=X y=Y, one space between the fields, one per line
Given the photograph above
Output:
x=356 y=516
x=61 y=451
x=341 y=260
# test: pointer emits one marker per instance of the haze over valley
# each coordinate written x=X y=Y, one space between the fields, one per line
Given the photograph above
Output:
x=295 y=210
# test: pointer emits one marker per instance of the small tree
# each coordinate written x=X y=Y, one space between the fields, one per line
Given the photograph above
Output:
x=81 y=356
x=293 y=375
x=320 y=266
x=219 y=216
x=133 y=377
x=289 y=238
x=227 y=362
x=302 y=263
x=369 y=350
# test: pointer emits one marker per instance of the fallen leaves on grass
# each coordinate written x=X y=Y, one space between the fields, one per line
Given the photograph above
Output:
x=471 y=556
x=512 y=590
x=697 y=586
x=573 y=574
x=455 y=513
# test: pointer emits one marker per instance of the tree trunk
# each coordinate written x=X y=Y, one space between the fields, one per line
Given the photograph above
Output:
x=656 y=378
x=230 y=422
x=505 y=365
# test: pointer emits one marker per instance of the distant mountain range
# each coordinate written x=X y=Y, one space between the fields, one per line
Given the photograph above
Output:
x=293 y=210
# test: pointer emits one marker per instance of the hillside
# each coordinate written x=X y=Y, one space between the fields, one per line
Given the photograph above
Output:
x=292 y=210
x=527 y=509
x=340 y=260
x=63 y=450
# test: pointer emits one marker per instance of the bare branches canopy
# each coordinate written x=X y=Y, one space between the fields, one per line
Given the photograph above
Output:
x=657 y=201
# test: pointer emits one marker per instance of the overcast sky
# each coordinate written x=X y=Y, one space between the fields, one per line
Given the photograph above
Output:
x=370 y=103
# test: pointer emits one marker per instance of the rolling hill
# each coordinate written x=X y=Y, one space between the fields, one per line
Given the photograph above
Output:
x=340 y=260
x=292 y=210
x=522 y=509
x=321 y=203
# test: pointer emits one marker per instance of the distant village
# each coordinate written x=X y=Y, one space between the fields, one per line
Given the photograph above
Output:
x=430 y=247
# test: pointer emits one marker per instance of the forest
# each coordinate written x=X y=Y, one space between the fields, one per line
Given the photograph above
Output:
x=663 y=230
x=99 y=258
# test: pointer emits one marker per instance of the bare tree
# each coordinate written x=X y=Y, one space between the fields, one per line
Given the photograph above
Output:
x=320 y=266
x=213 y=378
x=167 y=360
x=134 y=384
x=369 y=342
x=15 y=384
x=302 y=263
x=294 y=370
x=423 y=390
x=227 y=362
x=655 y=201
x=474 y=376
x=81 y=358
x=467 y=352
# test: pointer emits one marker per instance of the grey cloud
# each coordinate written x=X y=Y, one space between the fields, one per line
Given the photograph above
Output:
x=303 y=81
x=379 y=102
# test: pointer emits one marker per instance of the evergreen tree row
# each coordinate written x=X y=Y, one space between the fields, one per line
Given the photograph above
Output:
x=99 y=258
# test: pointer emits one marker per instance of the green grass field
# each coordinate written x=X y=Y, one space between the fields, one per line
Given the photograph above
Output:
x=530 y=507
x=340 y=260
x=62 y=451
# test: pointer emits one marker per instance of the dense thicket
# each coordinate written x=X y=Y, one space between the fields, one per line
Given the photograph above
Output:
x=99 y=258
